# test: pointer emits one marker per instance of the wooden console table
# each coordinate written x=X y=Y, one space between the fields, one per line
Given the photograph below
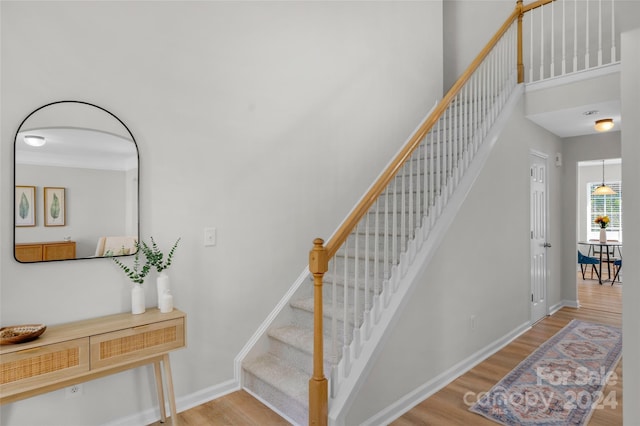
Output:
x=77 y=352
x=51 y=250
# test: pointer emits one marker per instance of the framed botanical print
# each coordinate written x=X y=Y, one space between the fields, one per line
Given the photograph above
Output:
x=54 y=207
x=25 y=203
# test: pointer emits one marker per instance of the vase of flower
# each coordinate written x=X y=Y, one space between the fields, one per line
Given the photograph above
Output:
x=156 y=259
x=603 y=221
x=136 y=274
x=137 y=299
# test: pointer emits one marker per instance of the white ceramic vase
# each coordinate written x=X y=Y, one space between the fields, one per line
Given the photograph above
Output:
x=137 y=299
x=162 y=284
x=603 y=235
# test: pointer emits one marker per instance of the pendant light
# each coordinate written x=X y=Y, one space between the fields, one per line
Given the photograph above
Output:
x=603 y=189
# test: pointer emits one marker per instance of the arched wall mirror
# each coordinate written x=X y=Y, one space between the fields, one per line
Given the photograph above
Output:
x=76 y=171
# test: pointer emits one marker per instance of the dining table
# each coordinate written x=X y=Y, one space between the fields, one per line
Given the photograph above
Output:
x=606 y=252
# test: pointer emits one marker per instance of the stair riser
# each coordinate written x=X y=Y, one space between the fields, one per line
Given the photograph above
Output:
x=305 y=319
x=327 y=290
x=294 y=409
x=296 y=357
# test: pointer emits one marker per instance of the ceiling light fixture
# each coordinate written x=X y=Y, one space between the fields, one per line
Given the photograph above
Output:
x=604 y=124
x=34 y=140
x=603 y=189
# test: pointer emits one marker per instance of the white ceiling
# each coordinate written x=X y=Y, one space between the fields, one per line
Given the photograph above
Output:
x=74 y=147
x=571 y=122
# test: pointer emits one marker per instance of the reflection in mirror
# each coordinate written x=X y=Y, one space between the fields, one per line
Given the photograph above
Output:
x=76 y=184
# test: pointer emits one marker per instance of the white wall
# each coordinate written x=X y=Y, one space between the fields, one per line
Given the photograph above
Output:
x=481 y=269
x=630 y=90
x=468 y=27
x=266 y=120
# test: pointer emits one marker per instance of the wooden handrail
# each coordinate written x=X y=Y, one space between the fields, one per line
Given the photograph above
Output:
x=374 y=192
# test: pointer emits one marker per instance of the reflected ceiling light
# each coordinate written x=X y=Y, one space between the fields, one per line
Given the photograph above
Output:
x=34 y=140
x=604 y=124
x=603 y=189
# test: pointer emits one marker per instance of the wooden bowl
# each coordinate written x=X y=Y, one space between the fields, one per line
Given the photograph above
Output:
x=20 y=333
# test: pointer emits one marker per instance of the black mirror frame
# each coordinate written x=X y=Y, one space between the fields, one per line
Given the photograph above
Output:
x=15 y=140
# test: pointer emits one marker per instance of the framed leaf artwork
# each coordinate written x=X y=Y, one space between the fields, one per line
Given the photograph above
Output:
x=54 y=207
x=25 y=203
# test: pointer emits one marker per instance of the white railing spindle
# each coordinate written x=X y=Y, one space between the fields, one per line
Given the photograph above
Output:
x=613 y=32
x=587 y=61
x=599 y=33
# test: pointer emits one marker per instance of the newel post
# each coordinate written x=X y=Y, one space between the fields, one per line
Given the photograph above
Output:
x=520 y=10
x=318 y=385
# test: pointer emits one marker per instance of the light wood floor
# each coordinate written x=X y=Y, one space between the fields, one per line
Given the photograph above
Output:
x=599 y=303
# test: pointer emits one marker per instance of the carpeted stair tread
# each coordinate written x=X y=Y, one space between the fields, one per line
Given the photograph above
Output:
x=292 y=335
x=327 y=310
x=281 y=375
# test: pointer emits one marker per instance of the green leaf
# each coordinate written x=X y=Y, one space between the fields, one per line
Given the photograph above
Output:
x=55 y=207
x=24 y=206
x=155 y=256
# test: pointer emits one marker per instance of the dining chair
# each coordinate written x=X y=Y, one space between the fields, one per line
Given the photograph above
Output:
x=617 y=265
x=583 y=261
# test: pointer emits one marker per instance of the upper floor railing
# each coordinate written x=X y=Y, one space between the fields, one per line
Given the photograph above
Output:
x=568 y=36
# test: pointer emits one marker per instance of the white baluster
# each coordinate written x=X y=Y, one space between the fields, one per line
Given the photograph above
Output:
x=455 y=108
x=613 y=32
x=394 y=226
x=587 y=61
x=376 y=265
x=403 y=211
x=345 y=304
x=532 y=13
x=552 y=65
x=575 y=35
x=355 y=343
x=438 y=159
x=541 y=42
x=410 y=212
x=564 y=38
x=366 y=321
x=387 y=258
x=599 y=32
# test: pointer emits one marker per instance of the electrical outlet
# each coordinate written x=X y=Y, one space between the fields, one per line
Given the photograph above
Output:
x=473 y=322
x=73 y=391
x=209 y=237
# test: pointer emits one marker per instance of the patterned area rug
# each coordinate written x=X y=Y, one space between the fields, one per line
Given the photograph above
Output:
x=561 y=383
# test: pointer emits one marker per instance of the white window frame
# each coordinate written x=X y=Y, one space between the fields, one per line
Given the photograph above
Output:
x=614 y=230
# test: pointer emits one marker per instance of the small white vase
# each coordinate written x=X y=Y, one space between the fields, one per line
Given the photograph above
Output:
x=603 y=235
x=166 y=302
x=137 y=299
x=162 y=284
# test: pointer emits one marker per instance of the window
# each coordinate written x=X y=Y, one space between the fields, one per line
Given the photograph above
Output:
x=600 y=205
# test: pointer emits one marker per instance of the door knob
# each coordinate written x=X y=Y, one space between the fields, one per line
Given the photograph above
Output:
x=547 y=245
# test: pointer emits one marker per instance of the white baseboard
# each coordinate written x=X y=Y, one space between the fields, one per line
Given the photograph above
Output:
x=563 y=303
x=183 y=403
x=413 y=398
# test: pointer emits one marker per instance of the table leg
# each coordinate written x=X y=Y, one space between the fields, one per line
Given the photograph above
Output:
x=600 y=267
x=172 y=396
x=159 y=386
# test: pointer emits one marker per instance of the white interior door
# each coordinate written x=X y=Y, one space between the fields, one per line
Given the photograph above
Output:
x=539 y=242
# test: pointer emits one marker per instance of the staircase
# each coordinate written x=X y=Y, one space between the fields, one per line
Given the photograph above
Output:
x=377 y=253
x=370 y=269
